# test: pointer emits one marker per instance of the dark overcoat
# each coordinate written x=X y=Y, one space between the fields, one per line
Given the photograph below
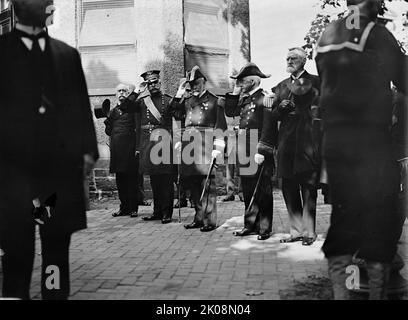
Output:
x=19 y=127
x=356 y=68
x=298 y=145
x=121 y=126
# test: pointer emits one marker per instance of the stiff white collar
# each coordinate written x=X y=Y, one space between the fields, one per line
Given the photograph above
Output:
x=31 y=30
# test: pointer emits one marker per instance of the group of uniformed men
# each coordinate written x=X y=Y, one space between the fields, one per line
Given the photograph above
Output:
x=136 y=126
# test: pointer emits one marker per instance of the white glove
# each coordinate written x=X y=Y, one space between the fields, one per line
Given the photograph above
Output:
x=259 y=158
x=268 y=101
x=182 y=88
x=237 y=90
x=177 y=146
x=216 y=154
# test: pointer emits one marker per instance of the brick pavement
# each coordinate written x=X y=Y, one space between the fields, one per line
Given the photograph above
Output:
x=123 y=258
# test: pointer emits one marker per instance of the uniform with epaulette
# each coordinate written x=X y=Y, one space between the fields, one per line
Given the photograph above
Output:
x=252 y=108
x=154 y=127
x=356 y=67
x=203 y=115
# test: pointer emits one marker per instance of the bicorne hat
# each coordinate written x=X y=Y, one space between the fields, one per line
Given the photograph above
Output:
x=251 y=69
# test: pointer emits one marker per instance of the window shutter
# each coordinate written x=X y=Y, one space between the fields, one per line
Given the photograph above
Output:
x=107 y=44
x=6 y=21
x=206 y=38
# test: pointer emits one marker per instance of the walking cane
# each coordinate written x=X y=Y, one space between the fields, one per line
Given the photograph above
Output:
x=213 y=164
x=256 y=187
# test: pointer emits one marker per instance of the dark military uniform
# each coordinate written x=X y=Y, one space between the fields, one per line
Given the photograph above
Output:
x=298 y=158
x=120 y=126
x=151 y=133
x=356 y=67
x=252 y=111
x=202 y=115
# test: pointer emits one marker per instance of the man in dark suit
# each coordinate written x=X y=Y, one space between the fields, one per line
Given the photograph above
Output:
x=120 y=127
x=154 y=127
x=204 y=126
x=48 y=143
x=298 y=150
x=356 y=68
x=251 y=104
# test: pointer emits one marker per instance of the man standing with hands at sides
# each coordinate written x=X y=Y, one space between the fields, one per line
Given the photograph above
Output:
x=155 y=126
x=203 y=114
x=120 y=127
x=298 y=151
x=48 y=143
x=356 y=67
x=249 y=101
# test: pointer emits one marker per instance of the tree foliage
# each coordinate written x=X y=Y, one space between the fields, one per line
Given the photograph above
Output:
x=322 y=19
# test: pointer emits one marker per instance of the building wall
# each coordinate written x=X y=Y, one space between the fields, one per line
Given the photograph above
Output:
x=159 y=38
x=65 y=21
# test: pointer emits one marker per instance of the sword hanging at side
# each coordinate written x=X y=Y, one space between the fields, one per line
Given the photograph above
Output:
x=213 y=164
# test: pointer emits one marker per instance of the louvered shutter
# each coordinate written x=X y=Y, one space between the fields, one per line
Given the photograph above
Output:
x=107 y=44
x=6 y=21
x=206 y=38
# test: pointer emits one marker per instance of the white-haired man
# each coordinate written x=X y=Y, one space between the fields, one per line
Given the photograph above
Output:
x=249 y=102
x=298 y=151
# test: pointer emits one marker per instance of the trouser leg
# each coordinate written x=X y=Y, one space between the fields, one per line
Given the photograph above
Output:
x=248 y=186
x=309 y=196
x=122 y=185
x=195 y=188
x=209 y=204
x=163 y=194
x=155 y=183
x=18 y=245
x=168 y=195
x=265 y=200
x=338 y=275
x=229 y=176
x=133 y=197
x=55 y=281
x=291 y=195
x=378 y=277
x=140 y=189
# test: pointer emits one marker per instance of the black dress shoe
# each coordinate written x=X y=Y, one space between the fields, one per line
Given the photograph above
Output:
x=308 y=241
x=151 y=218
x=181 y=204
x=207 y=228
x=134 y=214
x=193 y=225
x=166 y=220
x=244 y=232
x=291 y=239
x=231 y=197
x=120 y=213
x=264 y=236
x=144 y=203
